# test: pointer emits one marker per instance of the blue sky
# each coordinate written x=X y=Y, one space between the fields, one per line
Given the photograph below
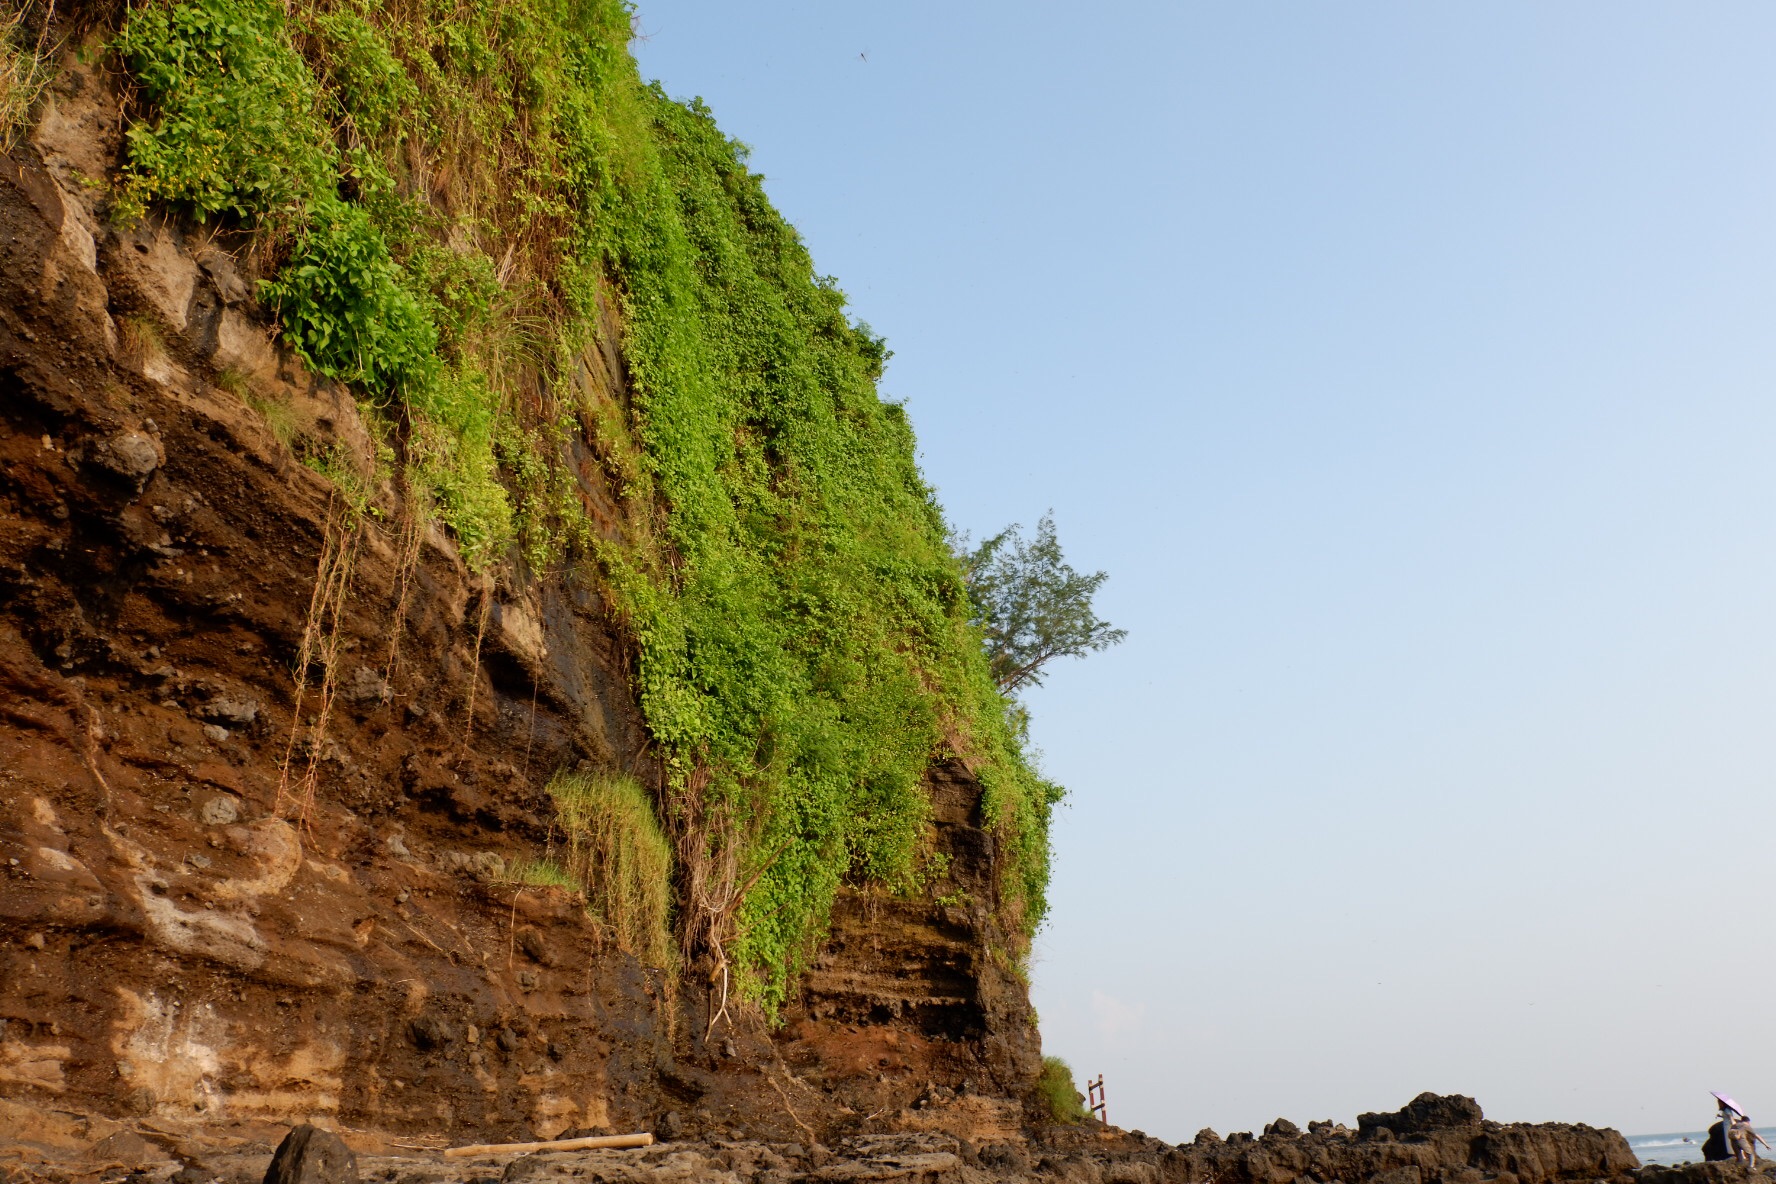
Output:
x=1408 y=368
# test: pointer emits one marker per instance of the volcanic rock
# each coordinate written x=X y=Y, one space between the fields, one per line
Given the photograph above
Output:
x=310 y=1155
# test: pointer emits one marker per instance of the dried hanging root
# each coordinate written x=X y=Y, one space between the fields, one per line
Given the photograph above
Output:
x=412 y=540
x=321 y=640
x=475 y=663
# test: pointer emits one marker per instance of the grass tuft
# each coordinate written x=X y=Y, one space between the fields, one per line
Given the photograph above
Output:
x=1059 y=1096
x=24 y=73
x=617 y=853
x=541 y=873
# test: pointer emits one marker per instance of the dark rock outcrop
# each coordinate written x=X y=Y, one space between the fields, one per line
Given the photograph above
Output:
x=309 y=1155
x=1423 y=1114
x=1431 y=1140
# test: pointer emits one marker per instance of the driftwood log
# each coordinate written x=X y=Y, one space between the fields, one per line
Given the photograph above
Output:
x=590 y=1143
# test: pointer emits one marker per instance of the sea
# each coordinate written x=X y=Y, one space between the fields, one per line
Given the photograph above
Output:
x=1682 y=1147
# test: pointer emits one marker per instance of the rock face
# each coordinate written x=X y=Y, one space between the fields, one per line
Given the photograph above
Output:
x=1426 y=1113
x=185 y=930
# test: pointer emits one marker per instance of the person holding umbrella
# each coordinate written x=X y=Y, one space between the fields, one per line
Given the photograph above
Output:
x=1719 y=1144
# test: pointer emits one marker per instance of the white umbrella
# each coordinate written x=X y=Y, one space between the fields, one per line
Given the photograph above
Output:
x=1729 y=1103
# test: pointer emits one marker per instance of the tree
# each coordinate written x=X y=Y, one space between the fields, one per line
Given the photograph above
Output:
x=1030 y=605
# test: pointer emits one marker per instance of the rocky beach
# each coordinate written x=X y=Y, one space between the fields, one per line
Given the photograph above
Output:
x=1432 y=1140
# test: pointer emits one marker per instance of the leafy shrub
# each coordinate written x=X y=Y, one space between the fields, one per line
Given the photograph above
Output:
x=235 y=129
x=364 y=77
x=345 y=304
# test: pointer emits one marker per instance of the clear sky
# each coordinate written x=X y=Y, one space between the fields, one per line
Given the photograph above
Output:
x=1409 y=369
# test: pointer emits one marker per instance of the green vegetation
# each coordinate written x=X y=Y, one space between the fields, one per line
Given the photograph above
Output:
x=618 y=854
x=1030 y=604
x=243 y=131
x=444 y=193
x=1057 y=1093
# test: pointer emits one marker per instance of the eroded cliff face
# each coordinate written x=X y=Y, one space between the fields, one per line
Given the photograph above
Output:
x=188 y=932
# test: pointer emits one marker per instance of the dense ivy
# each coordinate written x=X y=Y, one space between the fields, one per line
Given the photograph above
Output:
x=803 y=629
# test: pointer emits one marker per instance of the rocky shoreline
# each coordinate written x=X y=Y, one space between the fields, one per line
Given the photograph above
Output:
x=1432 y=1140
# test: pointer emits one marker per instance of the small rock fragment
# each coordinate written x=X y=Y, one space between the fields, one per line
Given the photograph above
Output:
x=129 y=454
x=237 y=710
x=220 y=810
x=125 y=1147
x=429 y=1032
x=535 y=947
x=216 y=732
x=366 y=687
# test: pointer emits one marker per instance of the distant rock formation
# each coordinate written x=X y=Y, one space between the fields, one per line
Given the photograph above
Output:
x=1431 y=1140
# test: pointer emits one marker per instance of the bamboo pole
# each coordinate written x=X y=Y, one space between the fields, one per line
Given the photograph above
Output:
x=591 y=1142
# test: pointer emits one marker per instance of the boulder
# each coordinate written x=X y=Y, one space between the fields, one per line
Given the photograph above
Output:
x=1426 y=1113
x=310 y=1155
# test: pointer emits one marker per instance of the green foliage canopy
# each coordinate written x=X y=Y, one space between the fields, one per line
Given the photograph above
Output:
x=1030 y=604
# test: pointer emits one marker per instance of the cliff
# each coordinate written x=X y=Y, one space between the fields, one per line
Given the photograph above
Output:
x=215 y=907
